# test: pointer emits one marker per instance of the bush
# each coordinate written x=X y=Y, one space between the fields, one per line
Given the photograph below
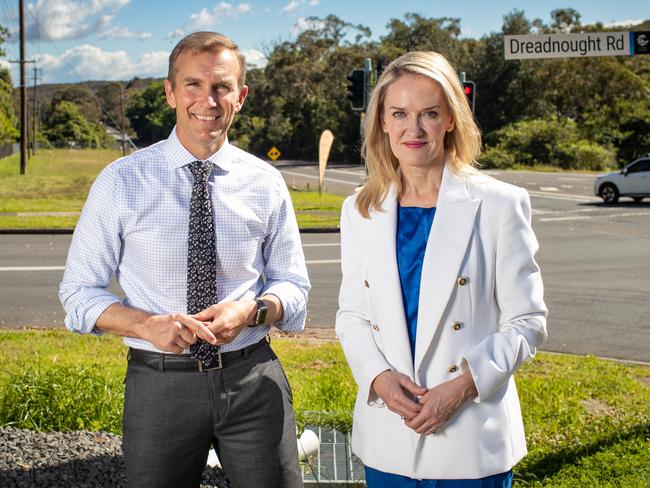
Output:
x=588 y=155
x=496 y=157
x=62 y=399
x=554 y=141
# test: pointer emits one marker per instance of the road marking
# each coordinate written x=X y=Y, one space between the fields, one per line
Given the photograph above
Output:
x=570 y=198
x=589 y=217
x=359 y=172
x=566 y=186
x=292 y=173
x=62 y=268
x=32 y=268
x=324 y=261
x=549 y=188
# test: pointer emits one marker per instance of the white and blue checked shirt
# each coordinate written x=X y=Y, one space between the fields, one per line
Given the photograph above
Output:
x=135 y=224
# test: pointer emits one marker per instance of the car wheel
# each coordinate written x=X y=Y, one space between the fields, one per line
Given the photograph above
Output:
x=637 y=199
x=609 y=193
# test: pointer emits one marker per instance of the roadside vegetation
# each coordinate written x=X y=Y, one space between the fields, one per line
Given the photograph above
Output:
x=588 y=113
x=587 y=420
x=58 y=180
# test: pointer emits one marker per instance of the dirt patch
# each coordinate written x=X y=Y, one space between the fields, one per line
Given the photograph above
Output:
x=597 y=407
x=310 y=334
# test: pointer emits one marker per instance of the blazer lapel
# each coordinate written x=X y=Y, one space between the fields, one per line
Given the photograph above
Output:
x=448 y=240
x=382 y=265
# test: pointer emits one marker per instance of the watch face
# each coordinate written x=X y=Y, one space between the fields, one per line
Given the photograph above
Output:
x=261 y=312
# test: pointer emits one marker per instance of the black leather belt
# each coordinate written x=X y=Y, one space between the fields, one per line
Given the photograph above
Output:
x=184 y=362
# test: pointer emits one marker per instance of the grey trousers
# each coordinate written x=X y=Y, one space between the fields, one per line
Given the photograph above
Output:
x=245 y=411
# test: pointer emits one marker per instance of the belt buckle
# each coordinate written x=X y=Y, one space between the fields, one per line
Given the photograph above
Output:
x=219 y=364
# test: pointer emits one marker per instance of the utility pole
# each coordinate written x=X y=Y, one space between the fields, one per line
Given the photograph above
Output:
x=35 y=112
x=23 y=90
x=122 y=121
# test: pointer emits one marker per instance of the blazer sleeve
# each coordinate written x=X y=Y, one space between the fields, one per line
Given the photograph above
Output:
x=519 y=297
x=352 y=319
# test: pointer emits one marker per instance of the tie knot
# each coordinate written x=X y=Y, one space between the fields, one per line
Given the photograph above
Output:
x=201 y=170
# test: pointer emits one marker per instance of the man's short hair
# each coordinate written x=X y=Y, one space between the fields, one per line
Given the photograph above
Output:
x=206 y=41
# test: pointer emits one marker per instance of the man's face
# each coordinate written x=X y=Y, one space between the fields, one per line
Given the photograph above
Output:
x=206 y=95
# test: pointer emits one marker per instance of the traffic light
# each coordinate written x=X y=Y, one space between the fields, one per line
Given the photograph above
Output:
x=469 y=87
x=357 y=89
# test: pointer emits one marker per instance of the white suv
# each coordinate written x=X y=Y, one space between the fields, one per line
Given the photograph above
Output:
x=632 y=181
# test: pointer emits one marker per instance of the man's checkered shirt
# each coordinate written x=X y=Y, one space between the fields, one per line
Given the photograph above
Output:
x=135 y=225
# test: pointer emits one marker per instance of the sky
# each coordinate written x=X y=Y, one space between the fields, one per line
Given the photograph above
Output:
x=80 y=40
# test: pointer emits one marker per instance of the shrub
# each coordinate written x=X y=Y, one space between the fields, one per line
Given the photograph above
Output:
x=496 y=157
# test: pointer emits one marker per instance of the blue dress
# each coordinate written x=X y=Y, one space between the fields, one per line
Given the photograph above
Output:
x=413 y=227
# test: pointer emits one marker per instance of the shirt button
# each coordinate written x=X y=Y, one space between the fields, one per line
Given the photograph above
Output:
x=365 y=283
x=457 y=325
x=462 y=280
x=375 y=326
x=452 y=368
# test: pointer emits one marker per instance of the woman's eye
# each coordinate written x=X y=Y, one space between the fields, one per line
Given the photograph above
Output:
x=431 y=114
x=398 y=114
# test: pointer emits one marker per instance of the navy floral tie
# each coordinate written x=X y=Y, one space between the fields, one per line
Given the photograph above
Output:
x=201 y=257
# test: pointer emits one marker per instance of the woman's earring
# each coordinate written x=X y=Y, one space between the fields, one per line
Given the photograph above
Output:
x=385 y=130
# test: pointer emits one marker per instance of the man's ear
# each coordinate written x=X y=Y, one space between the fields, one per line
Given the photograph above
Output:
x=242 y=96
x=169 y=93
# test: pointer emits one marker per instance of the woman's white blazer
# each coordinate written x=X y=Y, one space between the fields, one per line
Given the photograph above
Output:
x=481 y=307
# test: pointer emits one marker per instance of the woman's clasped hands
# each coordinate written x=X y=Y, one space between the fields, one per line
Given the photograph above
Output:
x=426 y=411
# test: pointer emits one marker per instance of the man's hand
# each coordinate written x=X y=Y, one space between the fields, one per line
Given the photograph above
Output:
x=226 y=320
x=398 y=393
x=440 y=403
x=174 y=333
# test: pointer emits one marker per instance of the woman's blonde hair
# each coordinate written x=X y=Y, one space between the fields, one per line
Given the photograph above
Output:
x=462 y=144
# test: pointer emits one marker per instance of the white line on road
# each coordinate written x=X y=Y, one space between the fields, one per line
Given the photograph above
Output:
x=570 y=198
x=292 y=173
x=32 y=268
x=358 y=172
x=589 y=217
x=61 y=268
x=324 y=261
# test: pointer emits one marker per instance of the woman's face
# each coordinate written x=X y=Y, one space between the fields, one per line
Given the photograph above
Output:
x=416 y=118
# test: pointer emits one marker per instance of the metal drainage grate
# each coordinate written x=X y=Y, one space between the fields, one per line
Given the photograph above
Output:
x=335 y=464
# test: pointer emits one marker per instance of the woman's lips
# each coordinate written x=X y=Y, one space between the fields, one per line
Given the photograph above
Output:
x=414 y=144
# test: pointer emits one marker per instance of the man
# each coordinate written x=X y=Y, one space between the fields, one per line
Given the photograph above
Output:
x=203 y=240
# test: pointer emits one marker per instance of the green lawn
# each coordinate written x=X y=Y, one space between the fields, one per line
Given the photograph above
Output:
x=587 y=420
x=58 y=180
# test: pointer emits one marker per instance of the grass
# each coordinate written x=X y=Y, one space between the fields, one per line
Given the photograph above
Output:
x=58 y=180
x=587 y=420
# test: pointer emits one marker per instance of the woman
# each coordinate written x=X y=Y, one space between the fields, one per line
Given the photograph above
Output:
x=441 y=299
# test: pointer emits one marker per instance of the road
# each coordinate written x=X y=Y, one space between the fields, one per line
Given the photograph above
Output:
x=595 y=261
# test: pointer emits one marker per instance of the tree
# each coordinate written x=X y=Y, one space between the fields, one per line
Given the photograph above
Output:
x=65 y=126
x=8 y=120
x=150 y=115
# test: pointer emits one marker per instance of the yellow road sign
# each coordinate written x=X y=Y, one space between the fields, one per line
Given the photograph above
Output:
x=273 y=153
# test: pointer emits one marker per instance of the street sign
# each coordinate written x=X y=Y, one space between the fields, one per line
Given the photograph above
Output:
x=641 y=42
x=273 y=153
x=588 y=44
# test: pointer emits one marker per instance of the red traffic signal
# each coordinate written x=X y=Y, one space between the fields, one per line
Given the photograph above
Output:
x=469 y=88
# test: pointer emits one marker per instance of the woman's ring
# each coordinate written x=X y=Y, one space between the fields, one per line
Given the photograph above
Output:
x=431 y=430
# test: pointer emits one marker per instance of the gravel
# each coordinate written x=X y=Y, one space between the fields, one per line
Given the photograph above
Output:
x=69 y=459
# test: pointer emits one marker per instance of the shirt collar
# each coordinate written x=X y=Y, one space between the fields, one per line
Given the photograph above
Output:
x=178 y=156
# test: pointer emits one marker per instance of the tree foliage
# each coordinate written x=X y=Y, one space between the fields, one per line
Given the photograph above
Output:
x=574 y=113
x=149 y=115
x=65 y=126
